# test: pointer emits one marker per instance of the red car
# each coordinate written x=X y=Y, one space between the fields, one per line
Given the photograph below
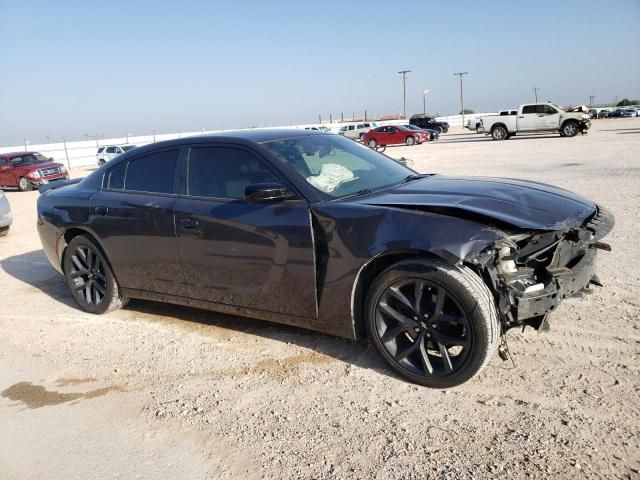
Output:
x=393 y=135
x=25 y=170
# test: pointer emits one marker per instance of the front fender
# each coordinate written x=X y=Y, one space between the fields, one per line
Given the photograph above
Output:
x=355 y=234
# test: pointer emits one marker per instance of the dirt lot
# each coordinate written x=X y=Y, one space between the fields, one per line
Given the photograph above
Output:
x=157 y=391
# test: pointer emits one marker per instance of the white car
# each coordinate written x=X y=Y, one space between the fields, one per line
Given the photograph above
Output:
x=5 y=215
x=109 y=152
x=356 y=131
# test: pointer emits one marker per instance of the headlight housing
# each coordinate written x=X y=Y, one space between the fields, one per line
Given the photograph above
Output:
x=63 y=169
x=34 y=174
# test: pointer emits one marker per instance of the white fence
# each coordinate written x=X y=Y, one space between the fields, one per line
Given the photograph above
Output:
x=83 y=153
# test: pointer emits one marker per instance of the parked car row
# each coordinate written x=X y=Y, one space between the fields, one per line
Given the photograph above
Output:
x=617 y=113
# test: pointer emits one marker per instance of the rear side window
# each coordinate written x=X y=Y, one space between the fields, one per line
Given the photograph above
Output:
x=152 y=173
x=101 y=149
x=111 y=149
x=221 y=172
x=529 y=109
x=115 y=177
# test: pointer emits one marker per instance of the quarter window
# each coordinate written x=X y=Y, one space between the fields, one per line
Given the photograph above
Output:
x=152 y=173
x=115 y=177
x=221 y=172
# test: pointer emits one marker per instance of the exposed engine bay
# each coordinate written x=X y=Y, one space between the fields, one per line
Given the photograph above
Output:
x=532 y=272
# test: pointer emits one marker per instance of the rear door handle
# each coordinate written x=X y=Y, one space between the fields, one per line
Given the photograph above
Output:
x=101 y=211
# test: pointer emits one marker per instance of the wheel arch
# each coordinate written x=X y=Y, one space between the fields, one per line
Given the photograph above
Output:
x=499 y=124
x=368 y=273
x=73 y=232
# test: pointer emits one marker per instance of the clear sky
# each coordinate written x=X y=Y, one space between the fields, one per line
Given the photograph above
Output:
x=113 y=67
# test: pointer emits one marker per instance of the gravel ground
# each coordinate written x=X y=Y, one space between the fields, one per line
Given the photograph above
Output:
x=158 y=391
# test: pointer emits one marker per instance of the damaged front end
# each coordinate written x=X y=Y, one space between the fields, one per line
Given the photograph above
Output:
x=532 y=272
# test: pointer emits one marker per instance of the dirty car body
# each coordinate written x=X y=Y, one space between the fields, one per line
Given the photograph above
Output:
x=308 y=249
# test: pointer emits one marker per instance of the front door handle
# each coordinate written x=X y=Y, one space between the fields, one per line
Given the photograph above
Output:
x=101 y=211
x=189 y=223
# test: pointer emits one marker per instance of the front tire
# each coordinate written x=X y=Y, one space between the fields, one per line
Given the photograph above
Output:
x=435 y=324
x=410 y=141
x=499 y=133
x=372 y=143
x=89 y=277
x=570 y=129
x=24 y=185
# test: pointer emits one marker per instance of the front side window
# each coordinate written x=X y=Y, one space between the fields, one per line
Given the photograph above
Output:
x=549 y=110
x=152 y=173
x=111 y=149
x=223 y=172
x=337 y=166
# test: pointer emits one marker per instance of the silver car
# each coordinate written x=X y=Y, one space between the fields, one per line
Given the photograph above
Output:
x=109 y=152
x=5 y=214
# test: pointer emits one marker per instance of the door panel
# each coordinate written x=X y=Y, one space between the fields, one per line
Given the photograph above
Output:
x=251 y=255
x=138 y=234
x=530 y=118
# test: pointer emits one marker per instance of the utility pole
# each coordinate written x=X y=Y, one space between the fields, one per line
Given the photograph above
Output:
x=591 y=99
x=404 y=91
x=66 y=153
x=615 y=101
x=535 y=91
x=424 y=101
x=460 y=75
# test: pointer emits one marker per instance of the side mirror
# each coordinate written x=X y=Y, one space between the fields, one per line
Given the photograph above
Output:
x=265 y=192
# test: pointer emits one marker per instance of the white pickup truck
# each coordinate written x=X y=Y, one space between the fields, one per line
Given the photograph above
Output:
x=536 y=117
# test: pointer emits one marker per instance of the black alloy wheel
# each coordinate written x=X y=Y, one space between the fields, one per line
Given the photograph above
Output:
x=89 y=277
x=423 y=327
x=434 y=323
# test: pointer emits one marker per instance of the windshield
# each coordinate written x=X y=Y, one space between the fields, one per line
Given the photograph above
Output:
x=29 y=159
x=337 y=166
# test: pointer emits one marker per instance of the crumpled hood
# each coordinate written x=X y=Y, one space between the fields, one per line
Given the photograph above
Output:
x=521 y=203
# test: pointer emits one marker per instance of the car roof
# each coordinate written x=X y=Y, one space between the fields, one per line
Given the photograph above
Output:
x=15 y=154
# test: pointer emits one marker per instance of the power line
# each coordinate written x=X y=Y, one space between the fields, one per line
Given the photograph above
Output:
x=404 y=90
x=460 y=75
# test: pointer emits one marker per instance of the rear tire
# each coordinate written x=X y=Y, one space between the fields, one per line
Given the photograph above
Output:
x=24 y=185
x=101 y=162
x=89 y=277
x=434 y=323
x=499 y=133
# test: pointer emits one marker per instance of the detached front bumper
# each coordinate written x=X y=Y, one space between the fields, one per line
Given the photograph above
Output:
x=585 y=125
x=565 y=284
